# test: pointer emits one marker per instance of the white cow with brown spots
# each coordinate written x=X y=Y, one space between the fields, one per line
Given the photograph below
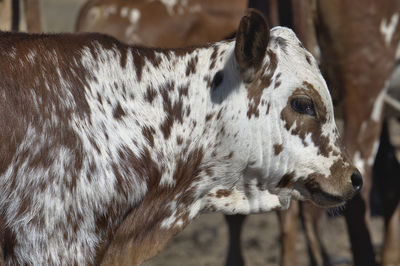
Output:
x=109 y=150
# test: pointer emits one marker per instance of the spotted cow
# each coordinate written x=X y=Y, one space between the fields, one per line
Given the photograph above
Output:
x=109 y=150
x=316 y=23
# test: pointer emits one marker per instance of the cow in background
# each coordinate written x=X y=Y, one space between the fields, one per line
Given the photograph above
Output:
x=358 y=64
x=162 y=23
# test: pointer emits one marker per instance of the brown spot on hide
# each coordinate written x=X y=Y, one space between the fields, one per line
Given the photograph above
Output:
x=191 y=65
x=118 y=112
x=262 y=81
x=99 y=98
x=187 y=168
x=150 y=94
x=183 y=90
x=278 y=149
x=188 y=110
x=268 y=108
x=209 y=116
x=173 y=110
x=138 y=61
x=139 y=57
x=208 y=81
x=156 y=60
x=148 y=132
x=286 y=181
x=219 y=114
x=213 y=57
x=277 y=84
x=94 y=144
x=212 y=208
x=179 y=140
x=166 y=127
x=222 y=193
x=209 y=171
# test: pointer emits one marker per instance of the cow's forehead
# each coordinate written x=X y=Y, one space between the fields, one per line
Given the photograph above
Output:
x=296 y=65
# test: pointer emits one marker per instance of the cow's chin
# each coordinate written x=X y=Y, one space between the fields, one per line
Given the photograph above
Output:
x=318 y=196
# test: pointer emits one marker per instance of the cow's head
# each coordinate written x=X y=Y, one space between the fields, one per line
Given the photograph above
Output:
x=294 y=145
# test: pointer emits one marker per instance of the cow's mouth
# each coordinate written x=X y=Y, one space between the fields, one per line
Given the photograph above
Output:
x=318 y=196
x=324 y=199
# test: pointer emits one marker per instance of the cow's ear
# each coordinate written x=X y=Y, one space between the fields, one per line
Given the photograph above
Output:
x=251 y=43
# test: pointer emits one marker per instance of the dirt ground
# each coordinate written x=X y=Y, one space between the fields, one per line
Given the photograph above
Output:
x=204 y=242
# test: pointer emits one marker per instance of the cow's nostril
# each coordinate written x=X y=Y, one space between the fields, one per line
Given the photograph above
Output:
x=356 y=181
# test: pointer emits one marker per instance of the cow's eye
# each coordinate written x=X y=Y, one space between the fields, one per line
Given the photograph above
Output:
x=303 y=106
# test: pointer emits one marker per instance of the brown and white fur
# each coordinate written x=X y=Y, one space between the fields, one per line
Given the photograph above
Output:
x=108 y=150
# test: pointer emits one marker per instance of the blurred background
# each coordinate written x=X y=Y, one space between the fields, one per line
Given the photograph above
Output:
x=356 y=43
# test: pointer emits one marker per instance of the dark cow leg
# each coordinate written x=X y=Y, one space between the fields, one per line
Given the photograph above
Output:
x=288 y=226
x=311 y=216
x=360 y=239
x=235 y=225
x=387 y=181
x=357 y=220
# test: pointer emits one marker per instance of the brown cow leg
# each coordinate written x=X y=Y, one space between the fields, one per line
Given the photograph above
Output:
x=32 y=16
x=235 y=225
x=288 y=224
x=311 y=217
x=5 y=15
x=390 y=249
